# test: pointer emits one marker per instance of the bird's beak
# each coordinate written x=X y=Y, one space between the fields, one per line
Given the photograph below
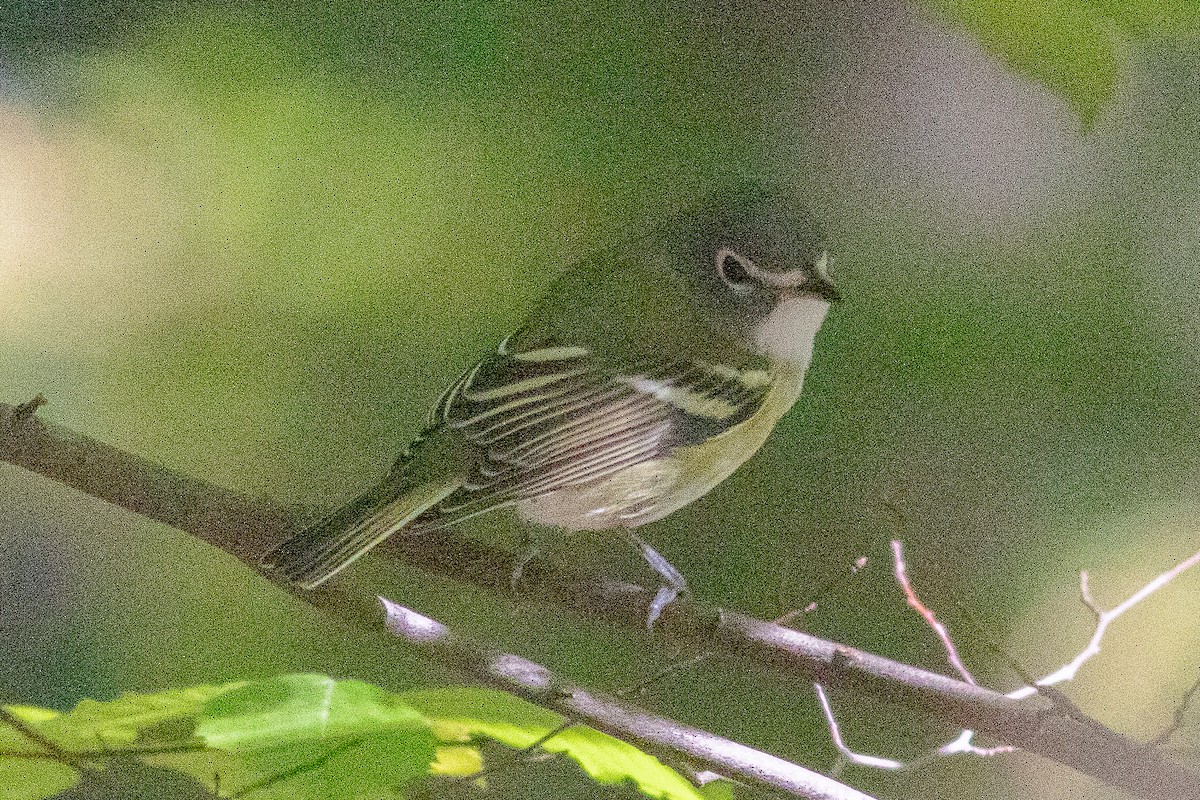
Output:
x=820 y=285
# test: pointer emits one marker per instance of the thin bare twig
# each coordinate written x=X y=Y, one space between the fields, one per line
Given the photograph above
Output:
x=29 y=408
x=1103 y=619
x=1177 y=719
x=1069 y=670
x=521 y=756
x=845 y=754
x=679 y=665
x=299 y=769
x=964 y=742
x=536 y=683
x=900 y=569
x=835 y=581
x=245 y=528
x=53 y=750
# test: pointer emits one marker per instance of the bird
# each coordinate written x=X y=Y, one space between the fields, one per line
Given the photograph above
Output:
x=645 y=376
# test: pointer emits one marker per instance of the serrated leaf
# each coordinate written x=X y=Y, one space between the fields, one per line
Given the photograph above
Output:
x=91 y=727
x=144 y=718
x=309 y=737
x=33 y=714
x=11 y=739
x=292 y=737
x=464 y=713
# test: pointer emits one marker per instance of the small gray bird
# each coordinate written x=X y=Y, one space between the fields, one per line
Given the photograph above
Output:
x=645 y=377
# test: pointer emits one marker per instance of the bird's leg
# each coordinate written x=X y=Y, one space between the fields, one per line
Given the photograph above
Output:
x=674 y=585
x=527 y=552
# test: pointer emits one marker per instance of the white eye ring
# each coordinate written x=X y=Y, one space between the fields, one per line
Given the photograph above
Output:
x=736 y=270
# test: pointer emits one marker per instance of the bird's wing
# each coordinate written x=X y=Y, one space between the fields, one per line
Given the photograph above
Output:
x=552 y=416
x=532 y=420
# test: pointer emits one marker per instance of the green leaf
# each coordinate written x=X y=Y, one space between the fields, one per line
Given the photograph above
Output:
x=28 y=779
x=144 y=718
x=288 y=708
x=310 y=737
x=1065 y=44
x=303 y=736
x=457 y=761
x=464 y=713
x=456 y=714
x=13 y=740
x=718 y=790
x=92 y=727
x=371 y=767
x=292 y=737
x=24 y=778
x=1070 y=46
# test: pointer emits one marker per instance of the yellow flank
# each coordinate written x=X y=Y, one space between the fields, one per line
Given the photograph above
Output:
x=651 y=490
x=705 y=465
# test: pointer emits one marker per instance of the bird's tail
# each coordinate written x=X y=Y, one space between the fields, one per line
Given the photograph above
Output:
x=317 y=553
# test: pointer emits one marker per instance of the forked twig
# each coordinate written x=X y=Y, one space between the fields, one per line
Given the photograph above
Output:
x=1103 y=619
x=964 y=742
x=246 y=527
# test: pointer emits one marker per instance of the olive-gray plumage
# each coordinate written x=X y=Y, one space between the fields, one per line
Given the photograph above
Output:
x=644 y=377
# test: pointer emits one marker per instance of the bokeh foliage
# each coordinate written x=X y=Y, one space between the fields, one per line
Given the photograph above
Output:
x=306 y=736
x=1075 y=47
x=253 y=242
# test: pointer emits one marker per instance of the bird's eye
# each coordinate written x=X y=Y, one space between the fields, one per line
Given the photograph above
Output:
x=734 y=270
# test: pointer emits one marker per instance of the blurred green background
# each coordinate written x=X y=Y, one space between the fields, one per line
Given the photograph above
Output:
x=253 y=244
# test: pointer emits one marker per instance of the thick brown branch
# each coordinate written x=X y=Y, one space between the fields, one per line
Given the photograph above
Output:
x=245 y=528
x=238 y=525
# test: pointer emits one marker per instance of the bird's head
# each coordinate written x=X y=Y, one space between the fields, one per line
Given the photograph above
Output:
x=758 y=266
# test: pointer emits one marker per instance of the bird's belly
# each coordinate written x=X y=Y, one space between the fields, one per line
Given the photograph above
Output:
x=634 y=496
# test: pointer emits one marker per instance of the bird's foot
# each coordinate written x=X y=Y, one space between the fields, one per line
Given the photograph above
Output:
x=674 y=582
x=663 y=598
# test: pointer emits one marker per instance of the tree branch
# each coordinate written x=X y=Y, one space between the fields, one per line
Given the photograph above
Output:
x=246 y=528
x=656 y=734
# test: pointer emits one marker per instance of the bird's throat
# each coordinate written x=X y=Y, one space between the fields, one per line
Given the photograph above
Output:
x=788 y=332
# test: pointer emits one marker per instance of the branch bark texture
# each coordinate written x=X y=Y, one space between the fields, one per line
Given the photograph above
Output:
x=245 y=528
x=536 y=683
